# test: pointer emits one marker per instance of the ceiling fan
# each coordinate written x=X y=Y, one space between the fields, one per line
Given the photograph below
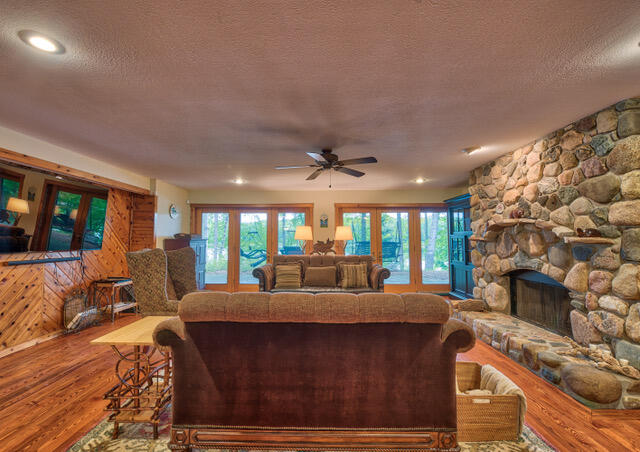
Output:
x=330 y=161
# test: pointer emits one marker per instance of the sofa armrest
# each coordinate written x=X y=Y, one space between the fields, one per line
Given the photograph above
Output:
x=459 y=334
x=169 y=332
x=265 y=276
x=377 y=276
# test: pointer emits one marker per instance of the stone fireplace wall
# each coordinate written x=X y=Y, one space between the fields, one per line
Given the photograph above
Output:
x=585 y=175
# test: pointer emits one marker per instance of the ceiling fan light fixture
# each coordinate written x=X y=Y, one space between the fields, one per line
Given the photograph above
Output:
x=239 y=181
x=471 y=150
x=420 y=180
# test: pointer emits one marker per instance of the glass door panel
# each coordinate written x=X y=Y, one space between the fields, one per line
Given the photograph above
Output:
x=94 y=227
x=253 y=244
x=63 y=221
x=287 y=223
x=215 y=229
x=360 y=223
x=434 y=247
x=394 y=231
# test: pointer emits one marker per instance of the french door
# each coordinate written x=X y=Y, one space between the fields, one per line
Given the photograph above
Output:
x=243 y=237
x=409 y=240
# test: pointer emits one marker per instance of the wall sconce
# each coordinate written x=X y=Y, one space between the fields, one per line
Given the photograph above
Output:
x=343 y=234
x=303 y=234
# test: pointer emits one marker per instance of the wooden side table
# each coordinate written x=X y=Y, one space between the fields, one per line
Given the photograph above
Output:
x=107 y=291
x=144 y=375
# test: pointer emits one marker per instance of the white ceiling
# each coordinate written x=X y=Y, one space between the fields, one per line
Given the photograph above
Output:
x=199 y=93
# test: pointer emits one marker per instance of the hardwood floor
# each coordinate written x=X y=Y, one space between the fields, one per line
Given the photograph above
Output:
x=51 y=395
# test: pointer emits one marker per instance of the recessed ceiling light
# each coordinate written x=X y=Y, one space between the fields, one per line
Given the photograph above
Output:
x=420 y=180
x=40 y=41
x=471 y=150
x=238 y=181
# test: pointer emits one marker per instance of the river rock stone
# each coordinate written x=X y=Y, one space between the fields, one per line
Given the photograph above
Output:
x=563 y=231
x=625 y=155
x=609 y=231
x=530 y=352
x=511 y=196
x=568 y=160
x=551 y=155
x=630 y=352
x=562 y=216
x=584 y=152
x=496 y=297
x=614 y=304
x=531 y=243
x=630 y=247
x=631 y=402
x=530 y=192
x=607 y=322
x=578 y=278
x=592 y=384
x=582 y=252
x=601 y=188
x=602 y=144
x=630 y=187
x=557 y=273
x=523 y=261
x=625 y=213
x=492 y=264
x=586 y=124
x=591 y=301
x=583 y=222
x=565 y=177
x=552 y=202
x=505 y=246
x=476 y=258
x=632 y=324
x=629 y=123
x=571 y=139
x=606 y=259
x=552 y=169
x=583 y=331
x=625 y=284
x=600 y=215
x=607 y=120
x=568 y=194
x=581 y=206
x=560 y=255
x=600 y=281
x=628 y=104
x=548 y=185
x=634 y=388
x=551 y=359
x=593 y=167
x=578 y=177
x=535 y=172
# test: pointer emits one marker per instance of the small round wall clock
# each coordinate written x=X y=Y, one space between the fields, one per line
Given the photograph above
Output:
x=173 y=211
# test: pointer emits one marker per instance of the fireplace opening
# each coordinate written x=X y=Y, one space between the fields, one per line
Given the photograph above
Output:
x=541 y=300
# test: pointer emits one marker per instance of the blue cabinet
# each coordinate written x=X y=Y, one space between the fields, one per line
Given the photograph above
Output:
x=460 y=267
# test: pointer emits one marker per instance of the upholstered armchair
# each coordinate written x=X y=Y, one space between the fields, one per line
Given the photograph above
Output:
x=161 y=279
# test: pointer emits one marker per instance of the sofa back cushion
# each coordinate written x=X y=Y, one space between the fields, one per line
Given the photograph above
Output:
x=288 y=276
x=320 y=276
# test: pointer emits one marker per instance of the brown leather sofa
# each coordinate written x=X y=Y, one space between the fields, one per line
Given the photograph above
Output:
x=299 y=371
x=267 y=278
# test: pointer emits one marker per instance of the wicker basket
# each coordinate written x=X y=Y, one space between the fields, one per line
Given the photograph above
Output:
x=484 y=418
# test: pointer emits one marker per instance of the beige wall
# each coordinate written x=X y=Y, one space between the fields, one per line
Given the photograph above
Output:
x=24 y=144
x=323 y=201
x=165 y=226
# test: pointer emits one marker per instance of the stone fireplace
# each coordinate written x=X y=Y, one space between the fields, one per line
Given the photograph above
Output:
x=531 y=262
x=541 y=300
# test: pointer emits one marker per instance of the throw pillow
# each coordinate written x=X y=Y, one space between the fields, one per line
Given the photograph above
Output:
x=320 y=276
x=171 y=289
x=354 y=276
x=288 y=276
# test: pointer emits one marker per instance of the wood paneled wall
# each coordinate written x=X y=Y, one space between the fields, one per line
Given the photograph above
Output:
x=32 y=296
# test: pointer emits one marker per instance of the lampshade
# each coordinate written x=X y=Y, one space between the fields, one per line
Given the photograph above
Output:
x=18 y=205
x=343 y=233
x=303 y=233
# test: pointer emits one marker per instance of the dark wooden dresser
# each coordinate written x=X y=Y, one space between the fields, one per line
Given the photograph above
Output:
x=199 y=245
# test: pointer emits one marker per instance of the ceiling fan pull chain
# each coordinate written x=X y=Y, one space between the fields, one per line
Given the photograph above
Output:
x=329 y=178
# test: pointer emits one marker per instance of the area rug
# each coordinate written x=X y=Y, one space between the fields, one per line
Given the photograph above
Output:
x=139 y=438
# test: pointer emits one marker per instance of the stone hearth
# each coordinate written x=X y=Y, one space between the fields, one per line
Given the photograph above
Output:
x=583 y=176
x=540 y=351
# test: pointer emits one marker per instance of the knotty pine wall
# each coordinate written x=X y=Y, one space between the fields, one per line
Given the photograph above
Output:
x=32 y=296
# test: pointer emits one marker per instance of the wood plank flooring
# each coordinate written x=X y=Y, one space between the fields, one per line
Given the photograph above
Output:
x=51 y=395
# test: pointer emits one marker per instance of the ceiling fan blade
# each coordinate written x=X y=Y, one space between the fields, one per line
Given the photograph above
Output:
x=294 y=167
x=359 y=161
x=317 y=157
x=349 y=171
x=315 y=174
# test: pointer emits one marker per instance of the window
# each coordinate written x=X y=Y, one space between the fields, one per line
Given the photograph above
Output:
x=10 y=187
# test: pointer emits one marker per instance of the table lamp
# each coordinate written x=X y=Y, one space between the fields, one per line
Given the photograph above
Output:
x=343 y=234
x=303 y=234
x=18 y=206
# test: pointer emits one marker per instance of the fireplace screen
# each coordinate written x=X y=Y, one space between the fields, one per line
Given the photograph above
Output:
x=540 y=299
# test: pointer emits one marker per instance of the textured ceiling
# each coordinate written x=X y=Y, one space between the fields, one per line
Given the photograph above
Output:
x=199 y=93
